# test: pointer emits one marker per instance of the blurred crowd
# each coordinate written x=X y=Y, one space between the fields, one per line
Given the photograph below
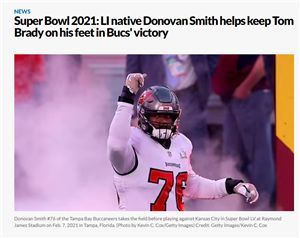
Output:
x=244 y=84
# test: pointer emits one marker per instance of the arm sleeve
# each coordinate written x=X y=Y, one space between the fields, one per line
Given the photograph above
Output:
x=119 y=148
x=201 y=188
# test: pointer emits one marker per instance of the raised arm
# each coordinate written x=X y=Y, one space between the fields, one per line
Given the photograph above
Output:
x=120 y=151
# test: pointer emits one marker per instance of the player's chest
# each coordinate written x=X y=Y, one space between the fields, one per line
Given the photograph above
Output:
x=162 y=176
x=173 y=159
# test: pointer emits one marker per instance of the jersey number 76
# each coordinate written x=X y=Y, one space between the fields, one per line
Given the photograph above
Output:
x=160 y=203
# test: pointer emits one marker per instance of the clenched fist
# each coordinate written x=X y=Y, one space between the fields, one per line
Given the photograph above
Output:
x=135 y=81
x=247 y=190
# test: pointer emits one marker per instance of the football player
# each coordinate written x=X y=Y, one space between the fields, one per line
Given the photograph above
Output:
x=151 y=162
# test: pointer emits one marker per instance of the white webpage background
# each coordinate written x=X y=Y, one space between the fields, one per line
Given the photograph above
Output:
x=185 y=39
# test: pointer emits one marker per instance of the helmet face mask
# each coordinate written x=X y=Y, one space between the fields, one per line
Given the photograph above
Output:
x=160 y=125
x=157 y=101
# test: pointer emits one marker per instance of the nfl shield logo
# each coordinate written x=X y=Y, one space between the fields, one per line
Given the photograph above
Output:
x=183 y=154
x=169 y=153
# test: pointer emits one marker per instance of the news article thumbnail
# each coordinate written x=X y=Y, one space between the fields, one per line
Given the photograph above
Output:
x=230 y=108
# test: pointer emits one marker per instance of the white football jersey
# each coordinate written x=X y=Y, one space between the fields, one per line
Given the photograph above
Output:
x=159 y=178
x=155 y=178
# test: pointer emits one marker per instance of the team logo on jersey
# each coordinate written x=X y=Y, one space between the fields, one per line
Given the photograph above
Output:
x=170 y=153
x=183 y=154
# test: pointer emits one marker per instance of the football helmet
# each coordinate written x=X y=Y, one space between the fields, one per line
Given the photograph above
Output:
x=154 y=101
